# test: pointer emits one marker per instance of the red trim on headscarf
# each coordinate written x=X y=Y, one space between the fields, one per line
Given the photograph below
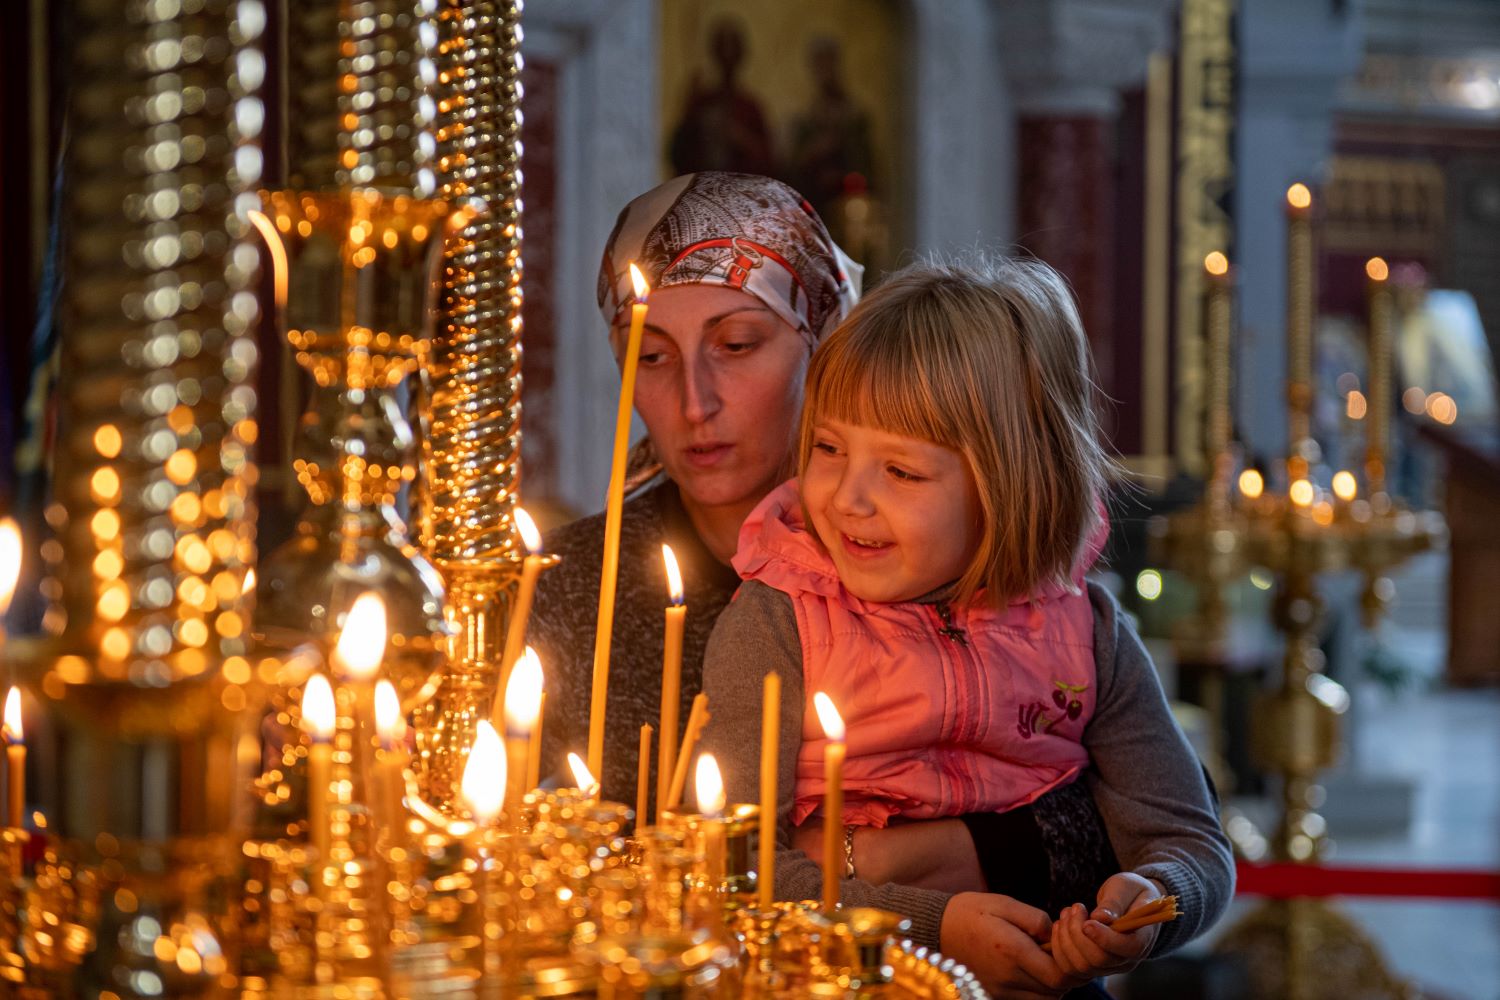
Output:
x=733 y=242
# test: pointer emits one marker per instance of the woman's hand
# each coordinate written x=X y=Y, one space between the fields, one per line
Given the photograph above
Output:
x=928 y=854
x=998 y=939
x=1084 y=945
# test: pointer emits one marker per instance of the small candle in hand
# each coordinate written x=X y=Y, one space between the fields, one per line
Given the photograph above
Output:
x=523 y=706
x=318 y=720
x=15 y=754
x=613 y=511
x=833 y=800
x=531 y=568
x=671 y=679
x=770 y=736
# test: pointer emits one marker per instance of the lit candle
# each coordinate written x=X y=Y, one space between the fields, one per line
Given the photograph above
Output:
x=697 y=718
x=356 y=661
x=1344 y=486
x=1300 y=306
x=643 y=776
x=1252 y=484
x=1382 y=341
x=531 y=568
x=390 y=729
x=10 y=569
x=708 y=783
x=583 y=777
x=833 y=800
x=15 y=755
x=523 y=706
x=671 y=679
x=534 y=752
x=482 y=791
x=612 y=513
x=770 y=737
x=318 y=720
x=1217 y=319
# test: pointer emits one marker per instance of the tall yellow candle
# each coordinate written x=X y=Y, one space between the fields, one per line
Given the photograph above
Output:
x=1301 y=304
x=613 y=510
x=1381 y=343
x=523 y=706
x=15 y=755
x=833 y=800
x=770 y=737
x=643 y=776
x=671 y=679
x=534 y=752
x=515 y=632
x=318 y=720
x=697 y=718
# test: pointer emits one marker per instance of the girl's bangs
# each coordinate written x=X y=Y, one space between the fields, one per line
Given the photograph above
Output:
x=877 y=381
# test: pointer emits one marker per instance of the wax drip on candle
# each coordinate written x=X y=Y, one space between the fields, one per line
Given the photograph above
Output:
x=361 y=644
x=483 y=785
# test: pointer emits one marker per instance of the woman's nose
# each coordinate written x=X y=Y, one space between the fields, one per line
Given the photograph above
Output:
x=700 y=393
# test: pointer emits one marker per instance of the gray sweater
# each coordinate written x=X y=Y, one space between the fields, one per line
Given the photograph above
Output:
x=1147 y=784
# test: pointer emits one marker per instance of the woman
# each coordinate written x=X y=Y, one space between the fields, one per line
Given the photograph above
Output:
x=745 y=281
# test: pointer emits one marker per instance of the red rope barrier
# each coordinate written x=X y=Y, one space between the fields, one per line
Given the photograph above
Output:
x=1287 y=881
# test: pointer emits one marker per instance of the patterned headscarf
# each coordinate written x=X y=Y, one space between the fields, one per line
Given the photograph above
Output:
x=737 y=230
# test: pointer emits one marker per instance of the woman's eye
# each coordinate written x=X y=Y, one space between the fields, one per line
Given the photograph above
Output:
x=652 y=357
x=739 y=346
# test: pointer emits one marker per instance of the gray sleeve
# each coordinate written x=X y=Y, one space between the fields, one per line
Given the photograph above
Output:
x=757 y=634
x=1150 y=787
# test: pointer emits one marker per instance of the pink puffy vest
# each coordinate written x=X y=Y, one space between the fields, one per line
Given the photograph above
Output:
x=982 y=719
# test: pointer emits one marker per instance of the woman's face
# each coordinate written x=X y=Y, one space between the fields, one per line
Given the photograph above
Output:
x=720 y=390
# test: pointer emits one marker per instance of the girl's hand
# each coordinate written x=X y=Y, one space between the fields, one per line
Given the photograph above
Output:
x=998 y=937
x=1084 y=945
x=928 y=854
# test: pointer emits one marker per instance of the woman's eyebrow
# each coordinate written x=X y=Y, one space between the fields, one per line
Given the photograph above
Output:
x=713 y=321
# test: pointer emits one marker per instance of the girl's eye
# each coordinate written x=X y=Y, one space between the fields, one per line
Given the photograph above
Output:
x=903 y=475
x=826 y=447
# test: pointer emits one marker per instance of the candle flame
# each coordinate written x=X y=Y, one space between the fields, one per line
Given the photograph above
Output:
x=10 y=561
x=530 y=537
x=828 y=715
x=1216 y=264
x=483 y=784
x=362 y=642
x=249 y=583
x=14 y=731
x=674 y=575
x=639 y=281
x=1344 y=485
x=1377 y=269
x=318 y=715
x=1252 y=484
x=523 y=693
x=278 y=253
x=390 y=724
x=1299 y=196
x=1302 y=493
x=709 y=784
x=582 y=776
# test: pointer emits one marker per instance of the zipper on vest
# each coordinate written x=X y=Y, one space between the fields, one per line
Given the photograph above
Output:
x=949 y=630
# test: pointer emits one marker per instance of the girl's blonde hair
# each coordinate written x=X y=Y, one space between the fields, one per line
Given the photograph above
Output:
x=987 y=357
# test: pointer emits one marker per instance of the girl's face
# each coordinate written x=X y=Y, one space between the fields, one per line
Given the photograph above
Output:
x=900 y=516
x=720 y=388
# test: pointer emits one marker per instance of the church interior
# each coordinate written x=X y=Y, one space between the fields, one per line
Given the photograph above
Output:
x=301 y=301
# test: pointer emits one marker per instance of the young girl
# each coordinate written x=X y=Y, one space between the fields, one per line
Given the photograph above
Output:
x=925 y=571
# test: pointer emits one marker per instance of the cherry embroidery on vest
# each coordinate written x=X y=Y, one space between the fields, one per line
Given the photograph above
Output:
x=1033 y=718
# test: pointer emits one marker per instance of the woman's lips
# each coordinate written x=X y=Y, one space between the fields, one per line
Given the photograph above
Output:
x=706 y=456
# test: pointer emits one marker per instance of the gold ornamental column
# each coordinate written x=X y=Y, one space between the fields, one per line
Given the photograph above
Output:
x=152 y=512
x=474 y=437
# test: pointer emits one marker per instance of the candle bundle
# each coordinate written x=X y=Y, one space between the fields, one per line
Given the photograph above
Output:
x=1159 y=911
